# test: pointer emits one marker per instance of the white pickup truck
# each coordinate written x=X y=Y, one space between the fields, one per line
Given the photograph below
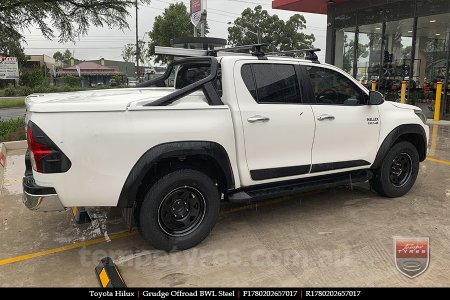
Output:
x=234 y=128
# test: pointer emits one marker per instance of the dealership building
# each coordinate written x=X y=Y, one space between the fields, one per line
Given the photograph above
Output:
x=389 y=41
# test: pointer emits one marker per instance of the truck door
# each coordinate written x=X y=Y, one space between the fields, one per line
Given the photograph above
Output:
x=347 y=129
x=278 y=128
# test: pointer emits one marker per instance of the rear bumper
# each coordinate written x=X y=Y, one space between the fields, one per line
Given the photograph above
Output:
x=40 y=198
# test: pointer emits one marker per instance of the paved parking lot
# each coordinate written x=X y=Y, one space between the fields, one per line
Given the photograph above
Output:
x=334 y=237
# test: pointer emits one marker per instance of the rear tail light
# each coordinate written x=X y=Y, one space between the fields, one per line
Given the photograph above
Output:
x=45 y=156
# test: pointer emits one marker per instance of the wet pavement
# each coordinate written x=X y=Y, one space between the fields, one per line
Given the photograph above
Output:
x=333 y=237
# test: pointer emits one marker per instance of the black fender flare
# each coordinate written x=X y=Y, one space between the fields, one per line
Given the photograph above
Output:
x=150 y=158
x=394 y=135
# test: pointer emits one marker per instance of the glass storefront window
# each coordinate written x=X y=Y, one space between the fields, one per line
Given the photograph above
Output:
x=396 y=58
x=369 y=53
x=431 y=52
x=345 y=41
x=345 y=47
x=396 y=41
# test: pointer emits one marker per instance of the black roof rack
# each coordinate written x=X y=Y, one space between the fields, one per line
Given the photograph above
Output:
x=256 y=50
x=310 y=54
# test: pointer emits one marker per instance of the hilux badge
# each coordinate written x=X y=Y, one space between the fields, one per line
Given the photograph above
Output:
x=372 y=121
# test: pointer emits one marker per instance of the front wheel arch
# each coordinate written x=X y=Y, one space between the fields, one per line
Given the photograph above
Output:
x=412 y=133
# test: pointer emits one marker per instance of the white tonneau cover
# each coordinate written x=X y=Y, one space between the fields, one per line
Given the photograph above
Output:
x=94 y=100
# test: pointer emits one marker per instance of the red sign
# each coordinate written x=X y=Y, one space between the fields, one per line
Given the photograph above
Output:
x=196 y=6
x=412 y=255
x=9 y=59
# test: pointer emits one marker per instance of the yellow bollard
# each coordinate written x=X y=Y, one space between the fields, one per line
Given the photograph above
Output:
x=434 y=140
x=437 y=104
x=374 y=85
x=403 y=93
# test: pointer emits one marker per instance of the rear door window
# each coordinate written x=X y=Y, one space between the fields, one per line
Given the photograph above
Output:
x=272 y=83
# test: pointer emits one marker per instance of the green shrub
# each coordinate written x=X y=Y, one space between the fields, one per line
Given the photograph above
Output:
x=118 y=79
x=24 y=91
x=10 y=92
x=12 y=130
x=71 y=81
x=43 y=89
x=32 y=77
x=40 y=89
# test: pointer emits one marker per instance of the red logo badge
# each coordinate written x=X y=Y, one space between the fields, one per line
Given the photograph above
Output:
x=412 y=255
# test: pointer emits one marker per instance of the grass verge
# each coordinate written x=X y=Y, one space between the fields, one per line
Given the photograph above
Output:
x=16 y=102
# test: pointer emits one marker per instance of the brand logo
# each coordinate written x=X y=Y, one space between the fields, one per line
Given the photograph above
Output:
x=371 y=121
x=412 y=255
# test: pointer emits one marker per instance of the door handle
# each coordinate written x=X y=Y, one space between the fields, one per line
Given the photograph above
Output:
x=255 y=119
x=325 y=117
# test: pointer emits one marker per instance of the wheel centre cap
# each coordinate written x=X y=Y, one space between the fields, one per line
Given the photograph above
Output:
x=180 y=208
x=397 y=168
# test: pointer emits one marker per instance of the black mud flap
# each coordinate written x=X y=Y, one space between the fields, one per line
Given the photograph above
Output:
x=80 y=215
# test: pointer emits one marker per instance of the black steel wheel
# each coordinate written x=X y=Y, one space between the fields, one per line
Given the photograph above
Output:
x=401 y=169
x=398 y=171
x=179 y=210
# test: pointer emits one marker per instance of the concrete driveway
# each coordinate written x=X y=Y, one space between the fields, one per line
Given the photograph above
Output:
x=336 y=237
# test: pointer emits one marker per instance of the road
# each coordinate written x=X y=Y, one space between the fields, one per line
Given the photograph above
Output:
x=12 y=113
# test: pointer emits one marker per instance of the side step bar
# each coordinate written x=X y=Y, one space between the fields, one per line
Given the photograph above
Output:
x=266 y=191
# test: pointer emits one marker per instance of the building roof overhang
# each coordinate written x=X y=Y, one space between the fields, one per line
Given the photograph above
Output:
x=308 y=6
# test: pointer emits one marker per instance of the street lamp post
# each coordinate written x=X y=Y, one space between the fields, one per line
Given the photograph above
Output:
x=137 y=43
x=257 y=33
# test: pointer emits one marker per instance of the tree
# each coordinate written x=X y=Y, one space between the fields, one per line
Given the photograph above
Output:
x=58 y=56
x=406 y=52
x=276 y=33
x=71 y=18
x=10 y=46
x=64 y=58
x=349 y=50
x=129 y=52
x=32 y=77
x=67 y=55
x=174 y=22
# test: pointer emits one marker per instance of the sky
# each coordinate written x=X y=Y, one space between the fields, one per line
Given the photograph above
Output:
x=109 y=42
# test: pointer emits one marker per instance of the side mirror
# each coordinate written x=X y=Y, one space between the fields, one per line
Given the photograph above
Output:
x=375 y=98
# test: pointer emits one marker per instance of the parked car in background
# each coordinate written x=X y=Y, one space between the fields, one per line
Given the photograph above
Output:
x=112 y=82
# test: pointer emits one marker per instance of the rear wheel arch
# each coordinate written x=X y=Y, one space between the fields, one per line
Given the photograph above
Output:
x=413 y=133
x=208 y=157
